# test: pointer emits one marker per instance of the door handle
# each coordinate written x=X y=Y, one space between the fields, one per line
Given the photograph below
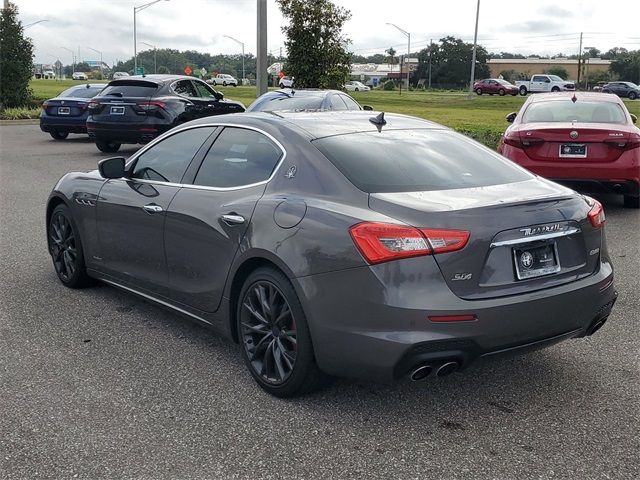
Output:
x=152 y=208
x=233 y=219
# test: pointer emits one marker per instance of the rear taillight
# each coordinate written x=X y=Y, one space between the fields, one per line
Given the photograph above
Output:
x=82 y=105
x=382 y=242
x=93 y=105
x=625 y=144
x=45 y=105
x=596 y=214
x=151 y=105
x=516 y=140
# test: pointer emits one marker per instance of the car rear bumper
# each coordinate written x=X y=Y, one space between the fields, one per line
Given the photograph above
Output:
x=366 y=327
x=125 y=133
x=63 y=124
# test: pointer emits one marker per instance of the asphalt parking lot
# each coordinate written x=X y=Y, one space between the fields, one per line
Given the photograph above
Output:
x=97 y=383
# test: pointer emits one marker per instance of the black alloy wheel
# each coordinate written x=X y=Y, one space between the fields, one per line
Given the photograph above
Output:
x=108 y=147
x=274 y=336
x=57 y=135
x=523 y=90
x=632 y=95
x=66 y=249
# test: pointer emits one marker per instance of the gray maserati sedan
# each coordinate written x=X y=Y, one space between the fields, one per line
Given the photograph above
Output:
x=351 y=244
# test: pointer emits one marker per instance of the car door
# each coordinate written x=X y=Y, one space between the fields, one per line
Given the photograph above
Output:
x=131 y=211
x=538 y=83
x=207 y=220
x=207 y=99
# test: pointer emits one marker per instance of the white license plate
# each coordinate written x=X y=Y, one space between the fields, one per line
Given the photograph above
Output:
x=64 y=110
x=117 y=111
x=573 y=150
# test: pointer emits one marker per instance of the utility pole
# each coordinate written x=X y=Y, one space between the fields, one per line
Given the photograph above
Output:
x=242 y=45
x=261 y=68
x=408 y=54
x=101 y=72
x=430 y=54
x=473 y=55
x=155 y=58
x=579 y=59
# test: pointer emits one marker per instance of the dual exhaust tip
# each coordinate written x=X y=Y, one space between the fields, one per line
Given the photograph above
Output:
x=423 y=371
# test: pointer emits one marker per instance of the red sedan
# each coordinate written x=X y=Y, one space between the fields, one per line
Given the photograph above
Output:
x=585 y=140
x=495 y=86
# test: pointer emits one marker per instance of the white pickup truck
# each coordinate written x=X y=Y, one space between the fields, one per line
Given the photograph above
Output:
x=544 y=83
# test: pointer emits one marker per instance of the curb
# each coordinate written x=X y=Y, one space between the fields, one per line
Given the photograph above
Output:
x=30 y=121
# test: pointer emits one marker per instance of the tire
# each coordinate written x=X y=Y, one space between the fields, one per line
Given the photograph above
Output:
x=57 y=135
x=523 y=90
x=478 y=91
x=108 y=147
x=287 y=337
x=356 y=89
x=501 y=92
x=632 y=95
x=281 y=85
x=555 y=89
x=631 y=202
x=65 y=248
x=224 y=84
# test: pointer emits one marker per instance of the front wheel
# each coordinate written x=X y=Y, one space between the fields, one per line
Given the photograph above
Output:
x=631 y=202
x=224 y=84
x=56 y=135
x=555 y=89
x=501 y=92
x=523 y=90
x=65 y=248
x=108 y=147
x=274 y=336
x=478 y=91
x=632 y=95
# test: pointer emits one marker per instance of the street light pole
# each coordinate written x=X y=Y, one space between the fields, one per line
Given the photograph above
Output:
x=261 y=33
x=73 y=59
x=586 y=68
x=32 y=24
x=98 y=51
x=473 y=55
x=155 y=59
x=135 y=33
x=242 y=44
x=408 y=53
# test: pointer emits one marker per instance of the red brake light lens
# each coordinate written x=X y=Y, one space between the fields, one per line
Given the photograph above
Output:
x=93 y=105
x=45 y=105
x=382 y=242
x=596 y=214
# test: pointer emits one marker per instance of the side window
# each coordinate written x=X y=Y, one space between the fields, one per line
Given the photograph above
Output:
x=168 y=160
x=185 y=88
x=238 y=157
x=336 y=103
x=203 y=90
x=351 y=103
x=537 y=78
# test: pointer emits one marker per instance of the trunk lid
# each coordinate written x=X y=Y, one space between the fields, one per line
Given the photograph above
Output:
x=123 y=101
x=603 y=142
x=505 y=221
x=66 y=107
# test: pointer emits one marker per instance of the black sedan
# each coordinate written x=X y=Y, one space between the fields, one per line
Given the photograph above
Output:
x=623 y=89
x=339 y=244
x=305 y=100
x=67 y=113
x=138 y=109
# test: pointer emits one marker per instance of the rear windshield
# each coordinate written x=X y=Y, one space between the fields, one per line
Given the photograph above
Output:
x=286 y=102
x=128 y=88
x=82 y=92
x=416 y=160
x=579 y=111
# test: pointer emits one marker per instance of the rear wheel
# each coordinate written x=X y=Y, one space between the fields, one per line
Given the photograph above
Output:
x=555 y=89
x=479 y=91
x=224 y=84
x=56 y=135
x=631 y=202
x=274 y=336
x=108 y=147
x=66 y=249
x=501 y=92
x=632 y=95
x=523 y=90
x=281 y=85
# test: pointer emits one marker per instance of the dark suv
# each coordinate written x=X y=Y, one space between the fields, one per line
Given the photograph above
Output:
x=623 y=89
x=138 y=109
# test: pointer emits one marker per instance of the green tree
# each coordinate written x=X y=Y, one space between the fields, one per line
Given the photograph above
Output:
x=559 y=71
x=392 y=53
x=317 y=48
x=16 y=60
x=626 y=66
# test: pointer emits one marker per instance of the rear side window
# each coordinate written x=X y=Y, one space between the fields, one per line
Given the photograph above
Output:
x=128 y=88
x=167 y=160
x=416 y=160
x=238 y=157
x=351 y=103
x=580 y=111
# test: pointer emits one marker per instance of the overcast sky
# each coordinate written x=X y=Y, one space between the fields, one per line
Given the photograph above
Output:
x=544 y=27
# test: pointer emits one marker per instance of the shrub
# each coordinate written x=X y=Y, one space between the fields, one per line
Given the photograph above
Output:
x=19 y=113
x=389 y=85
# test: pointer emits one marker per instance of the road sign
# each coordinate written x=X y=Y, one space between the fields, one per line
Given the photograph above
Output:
x=203 y=72
x=187 y=70
x=139 y=71
x=280 y=74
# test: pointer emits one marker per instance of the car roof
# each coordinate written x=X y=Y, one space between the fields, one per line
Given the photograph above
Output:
x=559 y=96
x=300 y=92
x=321 y=124
x=158 y=78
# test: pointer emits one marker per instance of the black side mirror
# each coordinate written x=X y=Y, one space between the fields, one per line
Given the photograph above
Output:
x=511 y=117
x=634 y=118
x=367 y=107
x=112 y=167
x=219 y=96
